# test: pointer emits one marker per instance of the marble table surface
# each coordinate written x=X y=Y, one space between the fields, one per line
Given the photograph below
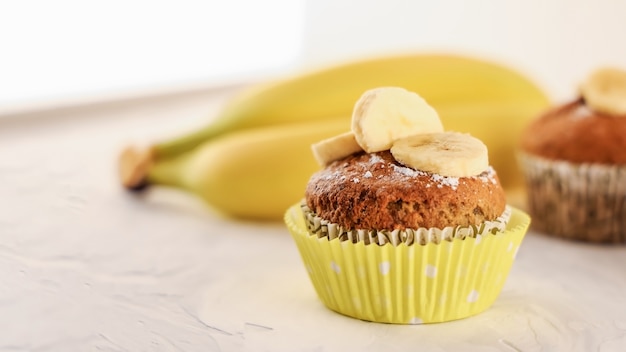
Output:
x=84 y=266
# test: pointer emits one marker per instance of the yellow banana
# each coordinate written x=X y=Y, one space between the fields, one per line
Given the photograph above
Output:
x=442 y=79
x=257 y=173
x=252 y=174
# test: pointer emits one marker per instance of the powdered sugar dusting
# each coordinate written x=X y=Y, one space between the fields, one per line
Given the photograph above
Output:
x=488 y=176
x=439 y=180
x=407 y=171
x=445 y=181
x=581 y=111
x=449 y=181
x=374 y=159
x=397 y=173
x=331 y=175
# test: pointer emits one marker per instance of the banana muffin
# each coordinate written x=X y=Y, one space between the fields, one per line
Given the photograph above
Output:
x=405 y=223
x=574 y=160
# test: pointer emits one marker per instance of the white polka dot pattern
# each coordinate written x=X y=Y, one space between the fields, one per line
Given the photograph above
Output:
x=416 y=321
x=405 y=284
x=430 y=271
x=473 y=296
x=384 y=268
x=335 y=267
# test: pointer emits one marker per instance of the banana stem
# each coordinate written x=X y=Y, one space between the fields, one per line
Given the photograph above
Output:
x=177 y=146
x=140 y=168
x=169 y=172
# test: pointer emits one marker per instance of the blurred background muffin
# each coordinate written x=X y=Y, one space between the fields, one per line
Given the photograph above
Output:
x=574 y=161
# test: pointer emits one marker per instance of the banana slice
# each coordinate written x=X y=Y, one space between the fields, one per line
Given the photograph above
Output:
x=605 y=91
x=384 y=115
x=447 y=154
x=335 y=148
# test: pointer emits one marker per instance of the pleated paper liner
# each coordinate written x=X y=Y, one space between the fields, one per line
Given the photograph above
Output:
x=409 y=284
x=585 y=202
x=323 y=228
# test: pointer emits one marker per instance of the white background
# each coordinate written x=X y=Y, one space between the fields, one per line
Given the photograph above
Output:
x=66 y=50
x=86 y=266
x=556 y=42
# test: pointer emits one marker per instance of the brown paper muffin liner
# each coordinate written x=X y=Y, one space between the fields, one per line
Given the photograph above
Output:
x=408 y=284
x=585 y=202
x=324 y=229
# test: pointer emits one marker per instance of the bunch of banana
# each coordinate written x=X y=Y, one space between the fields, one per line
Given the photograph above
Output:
x=255 y=159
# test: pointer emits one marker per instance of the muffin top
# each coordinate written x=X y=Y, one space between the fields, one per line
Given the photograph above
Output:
x=574 y=132
x=591 y=129
x=375 y=191
x=398 y=169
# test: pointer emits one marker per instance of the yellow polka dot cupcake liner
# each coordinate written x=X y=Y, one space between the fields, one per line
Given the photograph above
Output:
x=409 y=284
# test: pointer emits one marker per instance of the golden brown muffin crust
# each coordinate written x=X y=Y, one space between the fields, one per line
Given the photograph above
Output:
x=575 y=133
x=373 y=191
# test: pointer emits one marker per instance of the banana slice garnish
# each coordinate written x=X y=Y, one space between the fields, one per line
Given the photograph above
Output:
x=335 y=148
x=384 y=115
x=447 y=153
x=605 y=91
x=392 y=118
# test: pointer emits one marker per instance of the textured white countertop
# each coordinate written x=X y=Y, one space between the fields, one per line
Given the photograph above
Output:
x=84 y=266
